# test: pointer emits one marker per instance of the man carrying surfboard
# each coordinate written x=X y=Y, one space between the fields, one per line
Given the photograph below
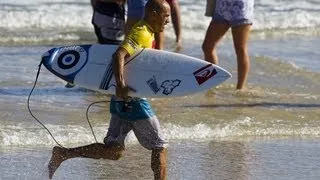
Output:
x=128 y=113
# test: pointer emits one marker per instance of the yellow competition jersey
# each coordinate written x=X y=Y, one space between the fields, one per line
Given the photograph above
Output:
x=140 y=36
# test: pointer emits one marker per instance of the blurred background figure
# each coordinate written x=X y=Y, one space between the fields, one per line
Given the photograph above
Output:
x=108 y=20
x=135 y=13
x=238 y=15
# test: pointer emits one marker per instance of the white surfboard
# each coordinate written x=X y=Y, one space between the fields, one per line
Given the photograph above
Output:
x=152 y=73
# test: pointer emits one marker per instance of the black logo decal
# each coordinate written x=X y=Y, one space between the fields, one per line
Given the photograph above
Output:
x=169 y=85
x=68 y=59
x=152 y=82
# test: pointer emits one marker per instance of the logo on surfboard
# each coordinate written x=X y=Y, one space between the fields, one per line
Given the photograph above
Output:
x=68 y=60
x=204 y=73
x=167 y=85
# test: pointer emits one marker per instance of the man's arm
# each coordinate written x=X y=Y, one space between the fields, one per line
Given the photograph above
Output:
x=118 y=58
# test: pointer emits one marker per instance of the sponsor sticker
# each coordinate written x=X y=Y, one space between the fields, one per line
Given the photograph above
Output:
x=168 y=85
x=205 y=73
x=152 y=82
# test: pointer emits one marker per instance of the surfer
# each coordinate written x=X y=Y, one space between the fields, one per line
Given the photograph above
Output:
x=238 y=15
x=136 y=12
x=128 y=113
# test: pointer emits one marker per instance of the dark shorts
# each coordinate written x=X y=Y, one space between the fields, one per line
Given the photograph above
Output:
x=108 y=21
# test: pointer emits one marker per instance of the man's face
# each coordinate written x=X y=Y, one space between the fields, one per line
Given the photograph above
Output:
x=163 y=18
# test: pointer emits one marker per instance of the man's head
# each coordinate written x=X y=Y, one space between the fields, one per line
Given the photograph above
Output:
x=157 y=14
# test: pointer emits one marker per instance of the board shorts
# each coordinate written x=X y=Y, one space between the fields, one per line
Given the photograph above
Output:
x=233 y=12
x=108 y=21
x=136 y=115
x=136 y=8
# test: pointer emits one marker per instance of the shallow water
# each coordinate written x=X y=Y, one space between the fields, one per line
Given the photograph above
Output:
x=270 y=131
x=258 y=158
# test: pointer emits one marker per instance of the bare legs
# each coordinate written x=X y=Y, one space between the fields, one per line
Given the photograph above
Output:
x=159 y=164
x=98 y=150
x=176 y=22
x=214 y=34
x=240 y=36
x=95 y=151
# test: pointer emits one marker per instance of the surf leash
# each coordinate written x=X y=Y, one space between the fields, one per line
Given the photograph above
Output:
x=87 y=116
x=28 y=105
x=29 y=109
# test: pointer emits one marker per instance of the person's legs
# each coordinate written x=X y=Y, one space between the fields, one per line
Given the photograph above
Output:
x=95 y=151
x=149 y=135
x=214 y=34
x=240 y=40
x=112 y=149
x=176 y=20
x=159 y=163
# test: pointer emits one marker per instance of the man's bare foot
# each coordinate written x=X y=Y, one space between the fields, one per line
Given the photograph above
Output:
x=56 y=159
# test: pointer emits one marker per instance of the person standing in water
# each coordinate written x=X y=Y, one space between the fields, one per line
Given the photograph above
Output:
x=237 y=15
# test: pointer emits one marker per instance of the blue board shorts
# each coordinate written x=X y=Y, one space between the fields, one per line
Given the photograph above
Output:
x=233 y=12
x=136 y=8
x=136 y=115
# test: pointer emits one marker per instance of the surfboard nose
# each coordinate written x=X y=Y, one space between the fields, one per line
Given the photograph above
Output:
x=48 y=60
x=45 y=58
x=227 y=74
x=66 y=62
x=224 y=73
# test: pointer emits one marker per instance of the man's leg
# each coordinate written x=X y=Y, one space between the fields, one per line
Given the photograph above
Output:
x=176 y=21
x=214 y=34
x=95 y=151
x=112 y=148
x=159 y=163
x=240 y=40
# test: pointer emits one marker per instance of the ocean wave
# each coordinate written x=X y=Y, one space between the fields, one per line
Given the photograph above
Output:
x=45 y=21
x=75 y=135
